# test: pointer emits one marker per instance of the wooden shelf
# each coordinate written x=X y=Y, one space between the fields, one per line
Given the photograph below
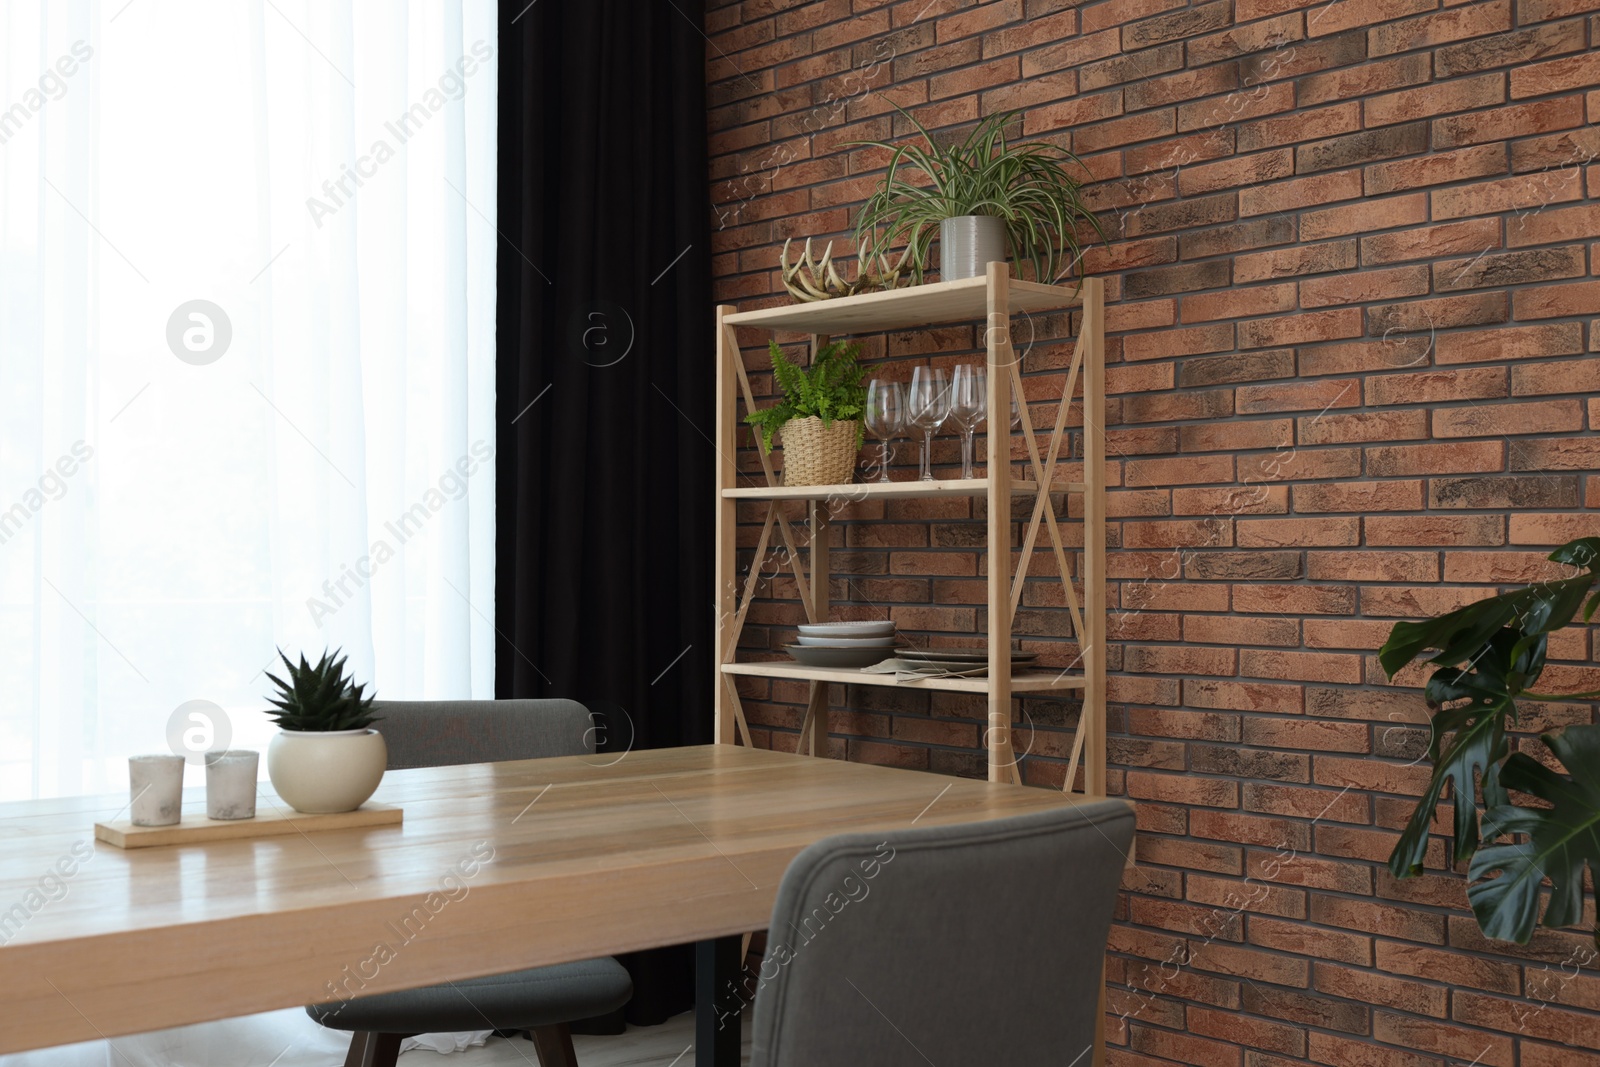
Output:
x=991 y=303
x=1033 y=681
x=903 y=309
x=889 y=490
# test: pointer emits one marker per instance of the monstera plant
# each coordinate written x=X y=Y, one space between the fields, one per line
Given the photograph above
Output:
x=1487 y=655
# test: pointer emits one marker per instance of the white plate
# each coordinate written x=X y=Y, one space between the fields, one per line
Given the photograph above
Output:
x=865 y=628
x=838 y=657
x=847 y=642
x=962 y=655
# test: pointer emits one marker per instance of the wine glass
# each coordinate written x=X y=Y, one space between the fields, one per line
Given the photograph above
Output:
x=969 y=400
x=927 y=406
x=1016 y=424
x=886 y=417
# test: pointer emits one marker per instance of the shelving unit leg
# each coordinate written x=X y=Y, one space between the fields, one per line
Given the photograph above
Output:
x=1092 y=719
x=814 y=730
x=1093 y=639
x=727 y=529
x=997 y=345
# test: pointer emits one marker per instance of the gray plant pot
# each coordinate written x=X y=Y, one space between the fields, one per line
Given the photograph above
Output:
x=968 y=244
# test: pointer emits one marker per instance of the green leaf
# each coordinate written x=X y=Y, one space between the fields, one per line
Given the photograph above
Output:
x=1488 y=654
x=1468 y=626
x=1584 y=552
x=1477 y=742
x=831 y=389
x=320 y=697
x=1560 y=840
x=1027 y=184
x=1460 y=635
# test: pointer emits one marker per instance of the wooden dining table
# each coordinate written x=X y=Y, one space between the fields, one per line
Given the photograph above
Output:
x=496 y=867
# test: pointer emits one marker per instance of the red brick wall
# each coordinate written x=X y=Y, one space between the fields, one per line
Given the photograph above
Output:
x=1352 y=380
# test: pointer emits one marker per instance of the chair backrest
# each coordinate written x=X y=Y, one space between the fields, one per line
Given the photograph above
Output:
x=440 y=733
x=974 y=944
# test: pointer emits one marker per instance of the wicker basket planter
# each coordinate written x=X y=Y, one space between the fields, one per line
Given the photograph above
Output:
x=818 y=455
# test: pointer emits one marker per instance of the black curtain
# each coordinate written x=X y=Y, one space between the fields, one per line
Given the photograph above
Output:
x=603 y=589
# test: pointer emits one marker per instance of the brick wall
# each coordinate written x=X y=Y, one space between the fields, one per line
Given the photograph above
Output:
x=1351 y=380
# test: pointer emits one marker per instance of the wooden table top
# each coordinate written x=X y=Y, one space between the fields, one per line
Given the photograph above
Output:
x=497 y=867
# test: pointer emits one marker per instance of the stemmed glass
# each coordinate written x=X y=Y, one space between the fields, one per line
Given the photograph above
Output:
x=969 y=400
x=886 y=416
x=1016 y=424
x=927 y=406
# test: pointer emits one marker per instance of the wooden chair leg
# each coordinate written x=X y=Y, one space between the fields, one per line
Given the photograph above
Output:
x=374 y=1050
x=554 y=1046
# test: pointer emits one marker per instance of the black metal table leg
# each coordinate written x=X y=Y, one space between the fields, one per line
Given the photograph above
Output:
x=718 y=1001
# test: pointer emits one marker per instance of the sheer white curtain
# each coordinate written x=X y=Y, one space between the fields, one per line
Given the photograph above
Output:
x=246 y=362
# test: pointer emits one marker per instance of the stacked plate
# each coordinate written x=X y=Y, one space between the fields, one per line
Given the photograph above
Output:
x=961 y=660
x=844 y=644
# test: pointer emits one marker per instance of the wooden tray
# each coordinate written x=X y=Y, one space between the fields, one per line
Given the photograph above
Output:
x=270 y=821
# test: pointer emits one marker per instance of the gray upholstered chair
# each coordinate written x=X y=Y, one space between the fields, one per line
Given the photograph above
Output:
x=543 y=1000
x=981 y=943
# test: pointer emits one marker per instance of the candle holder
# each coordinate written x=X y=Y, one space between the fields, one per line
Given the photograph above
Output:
x=155 y=788
x=231 y=784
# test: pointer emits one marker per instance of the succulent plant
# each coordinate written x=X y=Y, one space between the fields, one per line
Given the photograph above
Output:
x=319 y=697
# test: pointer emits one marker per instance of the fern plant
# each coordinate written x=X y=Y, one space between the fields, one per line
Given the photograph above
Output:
x=1026 y=184
x=319 y=697
x=830 y=390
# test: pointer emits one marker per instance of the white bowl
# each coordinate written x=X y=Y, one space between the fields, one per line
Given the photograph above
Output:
x=847 y=642
x=838 y=658
x=865 y=628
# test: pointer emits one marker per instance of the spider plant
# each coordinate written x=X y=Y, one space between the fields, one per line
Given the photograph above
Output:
x=1025 y=184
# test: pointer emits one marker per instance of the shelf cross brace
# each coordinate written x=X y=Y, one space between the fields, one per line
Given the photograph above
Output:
x=1044 y=475
x=731 y=646
x=801 y=582
x=739 y=722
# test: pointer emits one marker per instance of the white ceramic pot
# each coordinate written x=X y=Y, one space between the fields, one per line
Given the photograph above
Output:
x=968 y=244
x=321 y=773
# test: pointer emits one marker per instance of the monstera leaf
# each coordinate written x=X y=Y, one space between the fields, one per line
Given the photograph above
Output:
x=1478 y=730
x=1560 y=840
x=1462 y=635
x=1489 y=654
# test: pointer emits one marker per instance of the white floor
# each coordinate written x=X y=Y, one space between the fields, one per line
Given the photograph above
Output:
x=289 y=1039
x=669 y=1045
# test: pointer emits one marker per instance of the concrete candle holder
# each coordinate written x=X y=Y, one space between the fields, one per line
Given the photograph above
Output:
x=155 y=786
x=231 y=784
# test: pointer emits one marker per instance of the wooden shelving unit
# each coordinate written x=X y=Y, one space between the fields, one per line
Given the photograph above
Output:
x=889 y=490
x=991 y=300
x=1028 y=682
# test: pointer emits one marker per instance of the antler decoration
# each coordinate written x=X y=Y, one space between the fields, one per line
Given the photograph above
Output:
x=808 y=279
